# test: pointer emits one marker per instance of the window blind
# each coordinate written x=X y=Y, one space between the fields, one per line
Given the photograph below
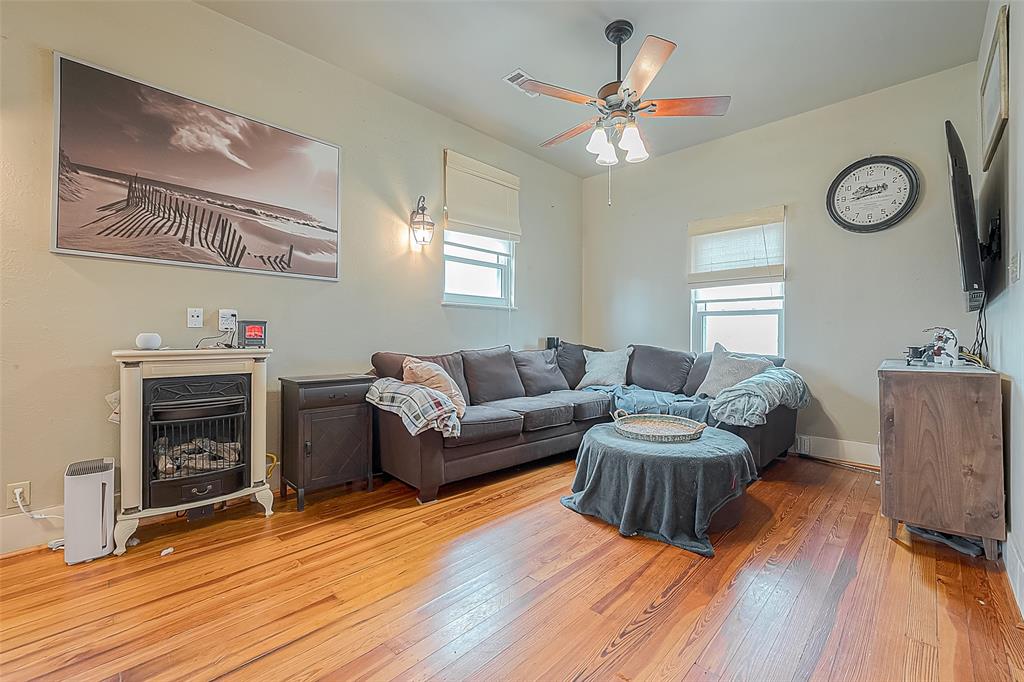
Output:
x=741 y=248
x=480 y=199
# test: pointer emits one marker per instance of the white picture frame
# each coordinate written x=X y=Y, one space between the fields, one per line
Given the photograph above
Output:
x=994 y=97
x=272 y=258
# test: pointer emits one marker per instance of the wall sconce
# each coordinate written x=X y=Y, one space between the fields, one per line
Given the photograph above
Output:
x=420 y=223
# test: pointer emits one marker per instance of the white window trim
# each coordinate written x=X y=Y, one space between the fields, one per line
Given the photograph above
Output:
x=507 y=300
x=698 y=319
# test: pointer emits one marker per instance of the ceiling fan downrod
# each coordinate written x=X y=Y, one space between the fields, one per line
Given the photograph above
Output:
x=618 y=32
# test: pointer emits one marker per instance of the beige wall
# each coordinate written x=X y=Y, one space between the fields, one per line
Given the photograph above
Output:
x=62 y=315
x=1006 y=311
x=851 y=299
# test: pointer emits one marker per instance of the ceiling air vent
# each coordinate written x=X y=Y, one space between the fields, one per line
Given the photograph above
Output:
x=517 y=77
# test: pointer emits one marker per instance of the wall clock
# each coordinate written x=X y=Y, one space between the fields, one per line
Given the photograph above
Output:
x=873 y=194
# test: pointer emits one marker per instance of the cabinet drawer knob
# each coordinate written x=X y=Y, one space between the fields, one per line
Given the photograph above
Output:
x=332 y=396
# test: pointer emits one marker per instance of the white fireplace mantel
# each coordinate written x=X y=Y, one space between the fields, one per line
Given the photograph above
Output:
x=138 y=365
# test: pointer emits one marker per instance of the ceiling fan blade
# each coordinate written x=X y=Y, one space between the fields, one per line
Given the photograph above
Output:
x=686 y=106
x=652 y=56
x=571 y=132
x=560 y=93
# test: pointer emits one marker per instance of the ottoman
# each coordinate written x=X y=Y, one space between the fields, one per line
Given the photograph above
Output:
x=663 y=491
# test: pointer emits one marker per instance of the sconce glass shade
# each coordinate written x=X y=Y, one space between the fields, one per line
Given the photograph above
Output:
x=598 y=141
x=607 y=156
x=638 y=154
x=420 y=224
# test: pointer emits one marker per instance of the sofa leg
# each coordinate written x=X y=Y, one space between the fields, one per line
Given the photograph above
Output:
x=427 y=495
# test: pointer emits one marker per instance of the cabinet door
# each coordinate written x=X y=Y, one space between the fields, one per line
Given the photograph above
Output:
x=337 y=445
x=942 y=453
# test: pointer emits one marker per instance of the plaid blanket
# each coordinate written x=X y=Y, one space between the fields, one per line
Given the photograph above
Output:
x=420 y=408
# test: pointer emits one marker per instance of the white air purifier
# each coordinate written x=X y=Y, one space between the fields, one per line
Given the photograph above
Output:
x=88 y=510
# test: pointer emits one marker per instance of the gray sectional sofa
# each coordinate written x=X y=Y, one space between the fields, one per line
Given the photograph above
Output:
x=521 y=407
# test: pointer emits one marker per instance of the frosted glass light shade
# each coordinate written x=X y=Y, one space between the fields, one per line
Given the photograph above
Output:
x=598 y=141
x=607 y=156
x=637 y=154
x=630 y=140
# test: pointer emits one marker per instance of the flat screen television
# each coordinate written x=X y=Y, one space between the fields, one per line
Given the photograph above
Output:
x=966 y=222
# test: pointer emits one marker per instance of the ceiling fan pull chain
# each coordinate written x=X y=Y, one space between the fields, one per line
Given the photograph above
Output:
x=609 y=185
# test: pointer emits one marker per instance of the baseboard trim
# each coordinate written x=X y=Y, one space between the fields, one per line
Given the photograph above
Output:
x=849 y=452
x=1013 y=559
x=21 y=533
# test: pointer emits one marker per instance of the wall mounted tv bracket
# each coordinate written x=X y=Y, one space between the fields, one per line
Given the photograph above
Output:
x=993 y=248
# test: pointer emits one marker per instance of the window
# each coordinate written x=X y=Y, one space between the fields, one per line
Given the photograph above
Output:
x=736 y=271
x=478 y=270
x=746 y=318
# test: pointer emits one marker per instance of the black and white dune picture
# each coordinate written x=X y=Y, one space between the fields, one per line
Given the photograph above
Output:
x=145 y=174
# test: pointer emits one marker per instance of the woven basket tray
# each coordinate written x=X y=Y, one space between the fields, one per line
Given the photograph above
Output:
x=657 y=428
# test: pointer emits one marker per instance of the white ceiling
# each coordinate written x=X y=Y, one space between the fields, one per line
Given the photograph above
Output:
x=776 y=58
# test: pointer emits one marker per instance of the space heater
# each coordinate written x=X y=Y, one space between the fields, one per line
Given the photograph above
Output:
x=88 y=510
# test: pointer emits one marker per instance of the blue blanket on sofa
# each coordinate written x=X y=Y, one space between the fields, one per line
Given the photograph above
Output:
x=745 y=404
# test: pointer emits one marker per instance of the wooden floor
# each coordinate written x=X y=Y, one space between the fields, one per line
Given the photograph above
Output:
x=497 y=580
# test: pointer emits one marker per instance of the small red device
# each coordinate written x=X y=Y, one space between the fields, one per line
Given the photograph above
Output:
x=251 y=334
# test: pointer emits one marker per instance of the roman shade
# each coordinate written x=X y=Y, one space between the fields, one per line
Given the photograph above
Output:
x=480 y=199
x=740 y=248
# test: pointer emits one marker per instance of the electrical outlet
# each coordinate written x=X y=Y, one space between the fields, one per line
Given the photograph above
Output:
x=26 y=494
x=195 y=318
x=226 y=319
x=802 y=445
x=1014 y=267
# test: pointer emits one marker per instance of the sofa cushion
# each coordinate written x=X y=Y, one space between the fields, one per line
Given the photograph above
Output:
x=586 y=405
x=539 y=372
x=432 y=375
x=728 y=370
x=659 y=369
x=699 y=371
x=569 y=357
x=538 y=412
x=482 y=423
x=390 y=365
x=605 y=369
x=491 y=375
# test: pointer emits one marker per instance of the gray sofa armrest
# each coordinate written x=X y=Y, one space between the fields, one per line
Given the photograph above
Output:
x=416 y=460
x=771 y=439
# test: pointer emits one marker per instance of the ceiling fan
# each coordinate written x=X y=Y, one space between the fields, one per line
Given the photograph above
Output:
x=619 y=103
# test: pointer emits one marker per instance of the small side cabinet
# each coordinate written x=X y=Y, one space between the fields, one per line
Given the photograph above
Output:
x=326 y=433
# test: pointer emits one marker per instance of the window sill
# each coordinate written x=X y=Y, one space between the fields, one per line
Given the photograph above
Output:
x=485 y=306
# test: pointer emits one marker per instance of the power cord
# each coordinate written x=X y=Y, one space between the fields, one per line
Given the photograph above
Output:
x=38 y=516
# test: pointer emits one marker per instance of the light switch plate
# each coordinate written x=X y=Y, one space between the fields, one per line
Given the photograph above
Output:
x=195 y=318
x=226 y=319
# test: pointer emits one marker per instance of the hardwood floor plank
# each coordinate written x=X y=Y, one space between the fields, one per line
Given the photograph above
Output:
x=498 y=581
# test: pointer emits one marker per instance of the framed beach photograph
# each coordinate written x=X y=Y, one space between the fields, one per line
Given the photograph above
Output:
x=141 y=173
x=995 y=90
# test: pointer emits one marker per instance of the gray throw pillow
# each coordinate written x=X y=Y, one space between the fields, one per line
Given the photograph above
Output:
x=539 y=372
x=727 y=370
x=569 y=357
x=699 y=371
x=605 y=369
x=659 y=369
x=491 y=375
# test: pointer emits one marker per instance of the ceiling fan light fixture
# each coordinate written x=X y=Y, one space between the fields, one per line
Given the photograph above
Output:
x=630 y=140
x=607 y=156
x=637 y=155
x=598 y=140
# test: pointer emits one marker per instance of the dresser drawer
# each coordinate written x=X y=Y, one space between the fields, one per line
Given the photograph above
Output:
x=329 y=396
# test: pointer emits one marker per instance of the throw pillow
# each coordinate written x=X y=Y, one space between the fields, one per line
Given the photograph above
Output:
x=491 y=375
x=699 y=371
x=432 y=375
x=728 y=370
x=539 y=372
x=569 y=357
x=605 y=369
x=659 y=369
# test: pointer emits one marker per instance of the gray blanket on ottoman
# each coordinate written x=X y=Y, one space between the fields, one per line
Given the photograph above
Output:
x=665 y=492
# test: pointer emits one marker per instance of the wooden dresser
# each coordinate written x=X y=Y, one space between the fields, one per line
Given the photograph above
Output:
x=326 y=432
x=941 y=449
